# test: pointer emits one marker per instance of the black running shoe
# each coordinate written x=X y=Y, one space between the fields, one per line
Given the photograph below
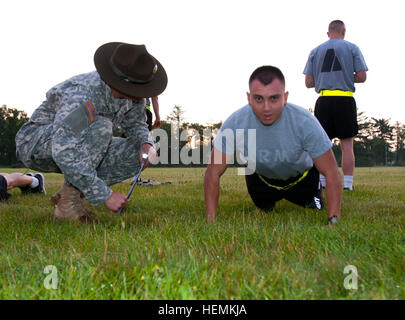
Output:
x=41 y=187
x=27 y=189
x=352 y=189
x=317 y=201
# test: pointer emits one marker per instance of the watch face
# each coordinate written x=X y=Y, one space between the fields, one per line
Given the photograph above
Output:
x=333 y=220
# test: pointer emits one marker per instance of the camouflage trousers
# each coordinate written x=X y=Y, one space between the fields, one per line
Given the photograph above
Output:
x=114 y=159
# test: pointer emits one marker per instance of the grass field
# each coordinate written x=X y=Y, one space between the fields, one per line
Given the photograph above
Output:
x=162 y=247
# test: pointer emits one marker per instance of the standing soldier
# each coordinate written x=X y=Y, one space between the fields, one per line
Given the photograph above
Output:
x=333 y=68
x=72 y=131
x=156 y=125
x=155 y=104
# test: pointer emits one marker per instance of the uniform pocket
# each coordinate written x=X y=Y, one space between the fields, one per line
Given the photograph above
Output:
x=78 y=120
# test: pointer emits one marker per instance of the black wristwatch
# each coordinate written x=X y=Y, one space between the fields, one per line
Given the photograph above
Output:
x=333 y=220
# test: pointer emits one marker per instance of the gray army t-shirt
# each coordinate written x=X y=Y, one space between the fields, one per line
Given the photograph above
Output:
x=283 y=150
x=333 y=64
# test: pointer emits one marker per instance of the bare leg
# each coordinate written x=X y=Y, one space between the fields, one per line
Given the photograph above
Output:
x=16 y=179
x=347 y=156
x=347 y=162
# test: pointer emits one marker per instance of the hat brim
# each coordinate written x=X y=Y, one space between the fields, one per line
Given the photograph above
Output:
x=103 y=67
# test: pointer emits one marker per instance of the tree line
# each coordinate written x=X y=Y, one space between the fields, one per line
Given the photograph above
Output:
x=11 y=121
x=379 y=143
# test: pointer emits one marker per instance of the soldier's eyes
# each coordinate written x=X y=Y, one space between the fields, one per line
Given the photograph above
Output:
x=258 y=99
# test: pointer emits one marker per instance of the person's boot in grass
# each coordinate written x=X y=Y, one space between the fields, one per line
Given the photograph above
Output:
x=90 y=215
x=70 y=204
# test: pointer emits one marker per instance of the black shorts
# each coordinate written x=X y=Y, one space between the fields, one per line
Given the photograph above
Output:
x=265 y=197
x=4 y=195
x=149 y=119
x=338 y=116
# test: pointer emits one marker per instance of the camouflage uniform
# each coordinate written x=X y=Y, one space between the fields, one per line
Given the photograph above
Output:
x=71 y=133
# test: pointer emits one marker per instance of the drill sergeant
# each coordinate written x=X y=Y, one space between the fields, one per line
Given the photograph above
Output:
x=71 y=132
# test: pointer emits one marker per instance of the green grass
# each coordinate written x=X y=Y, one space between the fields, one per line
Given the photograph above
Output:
x=162 y=247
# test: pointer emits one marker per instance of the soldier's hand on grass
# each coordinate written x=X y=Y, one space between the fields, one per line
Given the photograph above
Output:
x=116 y=201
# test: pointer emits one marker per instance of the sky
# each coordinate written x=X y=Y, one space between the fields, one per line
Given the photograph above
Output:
x=208 y=48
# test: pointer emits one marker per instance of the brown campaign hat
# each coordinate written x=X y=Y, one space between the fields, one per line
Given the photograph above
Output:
x=130 y=69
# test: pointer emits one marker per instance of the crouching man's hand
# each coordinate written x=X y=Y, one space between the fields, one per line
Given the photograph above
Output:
x=151 y=152
x=116 y=201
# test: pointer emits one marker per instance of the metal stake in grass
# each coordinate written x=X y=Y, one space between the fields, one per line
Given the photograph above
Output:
x=135 y=179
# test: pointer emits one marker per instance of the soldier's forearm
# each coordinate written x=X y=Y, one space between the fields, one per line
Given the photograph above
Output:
x=333 y=195
x=211 y=193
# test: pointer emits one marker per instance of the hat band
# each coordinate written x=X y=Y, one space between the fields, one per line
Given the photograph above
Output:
x=125 y=77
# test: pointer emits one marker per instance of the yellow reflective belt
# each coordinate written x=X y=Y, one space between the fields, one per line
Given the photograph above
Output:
x=147 y=107
x=336 y=93
x=292 y=184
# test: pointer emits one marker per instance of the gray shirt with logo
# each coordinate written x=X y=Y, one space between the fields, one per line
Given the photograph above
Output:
x=283 y=150
x=333 y=64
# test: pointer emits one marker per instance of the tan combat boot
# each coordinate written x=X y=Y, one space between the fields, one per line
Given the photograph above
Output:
x=70 y=204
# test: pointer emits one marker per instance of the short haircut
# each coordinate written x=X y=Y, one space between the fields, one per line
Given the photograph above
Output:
x=336 y=26
x=266 y=75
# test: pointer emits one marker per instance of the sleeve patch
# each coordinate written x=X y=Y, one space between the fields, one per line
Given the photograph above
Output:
x=91 y=110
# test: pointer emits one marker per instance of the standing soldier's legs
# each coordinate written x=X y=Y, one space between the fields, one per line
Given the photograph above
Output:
x=338 y=117
x=347 y=156
x=149 y=118
x=348 y=130
x=348 y=162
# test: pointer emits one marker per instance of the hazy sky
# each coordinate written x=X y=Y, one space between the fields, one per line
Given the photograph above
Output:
x=208 y=48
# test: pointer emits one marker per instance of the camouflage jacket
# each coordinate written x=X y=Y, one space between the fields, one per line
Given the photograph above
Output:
x=62 y=101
